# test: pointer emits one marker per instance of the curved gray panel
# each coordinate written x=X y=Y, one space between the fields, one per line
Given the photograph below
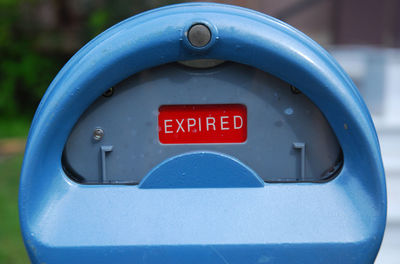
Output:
x=288 y=138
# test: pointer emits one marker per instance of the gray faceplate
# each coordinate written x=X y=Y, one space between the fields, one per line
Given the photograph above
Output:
x=288 y=137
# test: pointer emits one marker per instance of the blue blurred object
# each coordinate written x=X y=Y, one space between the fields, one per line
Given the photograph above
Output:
x=340 y=221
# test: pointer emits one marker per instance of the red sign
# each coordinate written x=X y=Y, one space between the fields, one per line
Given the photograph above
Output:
x=189 y=124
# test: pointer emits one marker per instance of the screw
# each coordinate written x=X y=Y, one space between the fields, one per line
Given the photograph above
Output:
x=98 y=134
x=199 y=35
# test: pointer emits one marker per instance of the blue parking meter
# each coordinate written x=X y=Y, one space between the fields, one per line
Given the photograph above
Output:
x=202 y=133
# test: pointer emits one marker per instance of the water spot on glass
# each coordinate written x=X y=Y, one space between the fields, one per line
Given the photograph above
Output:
x=289 y=111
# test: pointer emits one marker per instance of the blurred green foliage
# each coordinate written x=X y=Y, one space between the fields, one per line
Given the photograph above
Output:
x=14 y=127
x=12 y=249
x=37 y=37
x=24 y=72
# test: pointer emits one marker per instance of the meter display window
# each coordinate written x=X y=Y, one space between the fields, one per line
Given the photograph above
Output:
x=229 y=108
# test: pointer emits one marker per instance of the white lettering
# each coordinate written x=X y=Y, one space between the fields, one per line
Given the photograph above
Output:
x=199 y=124
x=209 y=123
x=166 y=126
x=180 y=125
x=190 y=124
x=224 y=122
x=235 y=123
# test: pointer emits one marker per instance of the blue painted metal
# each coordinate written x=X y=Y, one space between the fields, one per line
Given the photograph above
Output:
x=188 y=171
x=341 y=221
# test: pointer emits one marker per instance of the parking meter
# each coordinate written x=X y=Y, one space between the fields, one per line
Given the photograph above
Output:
x=202 y=133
